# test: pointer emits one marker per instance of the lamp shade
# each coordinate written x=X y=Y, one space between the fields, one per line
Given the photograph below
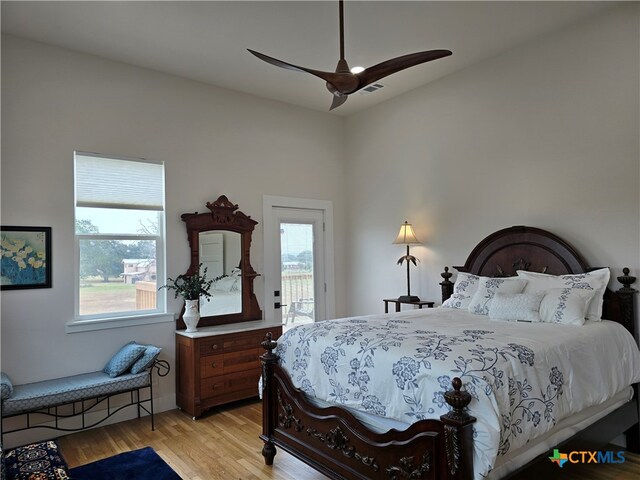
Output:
x=406 y=236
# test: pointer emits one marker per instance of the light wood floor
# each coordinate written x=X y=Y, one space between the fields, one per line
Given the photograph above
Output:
x=224 y=445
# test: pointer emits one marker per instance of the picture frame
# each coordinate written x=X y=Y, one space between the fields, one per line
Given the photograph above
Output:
x=25 y=257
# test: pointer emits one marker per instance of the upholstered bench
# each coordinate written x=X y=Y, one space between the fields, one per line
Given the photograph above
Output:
x=84 y=392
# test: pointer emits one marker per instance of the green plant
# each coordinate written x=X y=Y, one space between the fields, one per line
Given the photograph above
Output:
x=191 y=287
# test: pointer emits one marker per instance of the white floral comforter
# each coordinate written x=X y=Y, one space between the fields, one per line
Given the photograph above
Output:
x=523 y=377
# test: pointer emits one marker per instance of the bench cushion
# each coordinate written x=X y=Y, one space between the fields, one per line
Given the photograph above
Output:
x=33 y=396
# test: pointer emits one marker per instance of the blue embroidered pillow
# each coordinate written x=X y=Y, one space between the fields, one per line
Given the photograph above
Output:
x=122 y=361
x=463 y=290
x=6 y=387
x=147 y=358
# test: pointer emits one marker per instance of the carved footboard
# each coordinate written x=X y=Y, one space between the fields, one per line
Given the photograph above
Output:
x=334 y=442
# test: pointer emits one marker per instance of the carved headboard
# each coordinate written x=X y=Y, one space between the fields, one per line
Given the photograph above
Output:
x=536 y=250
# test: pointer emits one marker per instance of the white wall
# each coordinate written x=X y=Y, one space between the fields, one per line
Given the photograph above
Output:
x=545 y=135
x=213 y=141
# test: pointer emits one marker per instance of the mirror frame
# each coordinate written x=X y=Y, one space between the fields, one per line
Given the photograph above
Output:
x=224 y=215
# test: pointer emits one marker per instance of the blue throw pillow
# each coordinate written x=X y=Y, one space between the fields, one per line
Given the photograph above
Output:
x=122 y=361
x=6 y=387
x=150 y=354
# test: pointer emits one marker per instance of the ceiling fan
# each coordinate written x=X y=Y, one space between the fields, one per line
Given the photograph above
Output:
x=342 y=82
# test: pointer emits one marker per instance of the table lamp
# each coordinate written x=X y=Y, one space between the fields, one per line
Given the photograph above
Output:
x=407 y=237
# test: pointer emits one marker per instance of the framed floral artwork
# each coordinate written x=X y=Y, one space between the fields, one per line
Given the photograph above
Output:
x=25 y=257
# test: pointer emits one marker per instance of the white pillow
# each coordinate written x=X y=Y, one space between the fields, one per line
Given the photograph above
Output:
x=596 y=281
x=516 y=306
x=463 y=290
x=488 y=287
x=565 y=305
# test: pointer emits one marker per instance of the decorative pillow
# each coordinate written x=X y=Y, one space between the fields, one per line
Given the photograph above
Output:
x=565 y=305
x=122 y=361
x=6 y=387
x=463 y=290
x=38 y=461
x=226 y=284
x=596 y=280
x=236 y=272
x=150 y=354
x=487 y=289
x=516 y=306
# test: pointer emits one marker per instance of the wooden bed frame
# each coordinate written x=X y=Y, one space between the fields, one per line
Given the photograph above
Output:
x=334 y=442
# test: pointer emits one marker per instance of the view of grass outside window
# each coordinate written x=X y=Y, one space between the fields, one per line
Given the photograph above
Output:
x=117 y=275
x=119 y=236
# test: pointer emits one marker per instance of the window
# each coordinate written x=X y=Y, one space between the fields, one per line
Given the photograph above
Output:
x=119 y=238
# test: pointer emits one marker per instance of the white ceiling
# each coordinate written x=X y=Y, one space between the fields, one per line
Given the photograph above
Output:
x=207 y=41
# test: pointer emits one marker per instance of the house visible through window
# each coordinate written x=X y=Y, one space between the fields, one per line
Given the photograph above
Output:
x=119 y=232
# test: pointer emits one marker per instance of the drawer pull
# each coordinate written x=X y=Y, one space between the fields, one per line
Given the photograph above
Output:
x=214 y=364
x=214 y=346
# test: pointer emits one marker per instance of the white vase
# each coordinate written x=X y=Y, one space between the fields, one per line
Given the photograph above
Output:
x=191 y=316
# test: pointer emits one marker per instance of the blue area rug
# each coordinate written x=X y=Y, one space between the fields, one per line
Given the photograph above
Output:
x=143 y=464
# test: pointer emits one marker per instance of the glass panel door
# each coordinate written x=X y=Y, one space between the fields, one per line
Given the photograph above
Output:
x=300 y=266
x=296 y=267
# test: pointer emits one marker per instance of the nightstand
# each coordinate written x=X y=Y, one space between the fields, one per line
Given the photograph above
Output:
x=397 y=301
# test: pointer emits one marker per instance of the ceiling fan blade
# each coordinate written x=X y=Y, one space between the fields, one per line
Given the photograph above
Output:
x=397 y=64
x=326 y=76
x=337 y=101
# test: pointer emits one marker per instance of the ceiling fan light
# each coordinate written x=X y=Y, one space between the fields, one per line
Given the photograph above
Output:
x=357 y=69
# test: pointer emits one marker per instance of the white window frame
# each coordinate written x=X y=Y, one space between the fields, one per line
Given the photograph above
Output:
x=84 y=323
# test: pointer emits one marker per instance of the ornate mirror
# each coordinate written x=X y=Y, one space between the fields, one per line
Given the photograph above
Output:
x=220 y=241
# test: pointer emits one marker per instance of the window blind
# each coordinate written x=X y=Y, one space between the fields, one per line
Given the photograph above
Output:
x=116 y=183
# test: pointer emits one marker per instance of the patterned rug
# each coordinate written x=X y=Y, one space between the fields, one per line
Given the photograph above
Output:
x=38 y=461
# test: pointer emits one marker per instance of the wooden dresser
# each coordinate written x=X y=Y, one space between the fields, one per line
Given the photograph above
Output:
x=217 y=365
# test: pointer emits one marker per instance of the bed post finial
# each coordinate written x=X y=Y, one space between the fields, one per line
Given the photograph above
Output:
x=446 y=284
x=458 y=432
x=458 y=400
x=269 y=343
x=626 y=280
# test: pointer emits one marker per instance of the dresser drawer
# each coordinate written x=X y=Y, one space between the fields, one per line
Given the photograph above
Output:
x=211 y=365
x=211 y=387
x=243 y=342
x=241 y=361
x=224 y=343
x=226 y=384
x=214 y=365
x=242 y=381
x=211 y=346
